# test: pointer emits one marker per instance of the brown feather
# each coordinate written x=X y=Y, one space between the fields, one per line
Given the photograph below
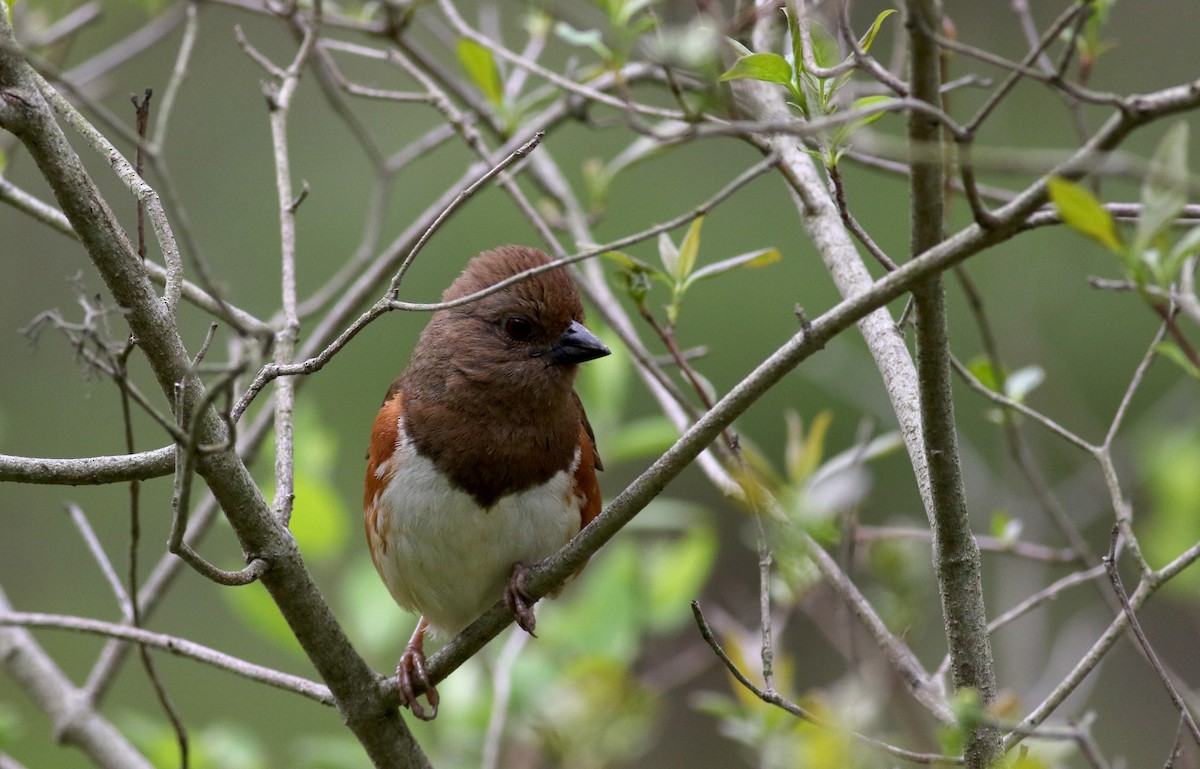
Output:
x=587 y=488
x=384 y=434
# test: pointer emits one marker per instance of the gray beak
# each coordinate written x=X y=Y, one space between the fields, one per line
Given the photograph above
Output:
x=576 y=345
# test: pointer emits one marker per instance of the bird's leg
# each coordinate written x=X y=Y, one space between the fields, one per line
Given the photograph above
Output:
x=410 y=672
x=519 y=602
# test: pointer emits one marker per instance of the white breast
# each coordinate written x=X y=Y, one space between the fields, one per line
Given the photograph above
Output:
x=445 y=556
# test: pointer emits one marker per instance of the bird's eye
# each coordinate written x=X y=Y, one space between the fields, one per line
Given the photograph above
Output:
x=518 y=328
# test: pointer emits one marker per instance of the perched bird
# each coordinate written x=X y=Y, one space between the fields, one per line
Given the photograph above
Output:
x=481 y=460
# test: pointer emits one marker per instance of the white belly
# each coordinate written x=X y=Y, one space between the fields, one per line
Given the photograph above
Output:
x=446 y=557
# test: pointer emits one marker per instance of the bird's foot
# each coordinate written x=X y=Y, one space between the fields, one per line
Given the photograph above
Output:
x=413 y=678
x=519 y=602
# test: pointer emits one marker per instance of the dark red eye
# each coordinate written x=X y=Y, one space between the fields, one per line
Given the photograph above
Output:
x=518 y=328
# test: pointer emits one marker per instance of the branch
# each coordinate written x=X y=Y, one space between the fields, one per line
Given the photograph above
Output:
x=25 y=112
x=956 y=555
x=180 y=647
x=88 y=471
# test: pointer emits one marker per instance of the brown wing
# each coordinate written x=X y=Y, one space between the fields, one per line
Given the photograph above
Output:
x=588 y=428
x=586 y=485
x=383 y=444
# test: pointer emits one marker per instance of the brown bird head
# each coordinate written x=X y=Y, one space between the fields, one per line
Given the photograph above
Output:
x=528 y=337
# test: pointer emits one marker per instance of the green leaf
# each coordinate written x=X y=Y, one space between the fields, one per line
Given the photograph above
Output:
x=767 y=67
x=1083 y=213
x=480 y=66
x=689 y=249
x=869 y=38
x=824 y=46
x=759 y=258
x=1164 y=192
x=1175 y=354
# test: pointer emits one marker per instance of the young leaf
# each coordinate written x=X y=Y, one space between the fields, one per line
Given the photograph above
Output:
x=767 y=67
x=1083 y=213
x=1188 y=246
x=480 y=66
x=866 y=103
x=646 y=147
x=1164 y=192
x=628 y=262
x=759 y=258
x=1023 y=381
x=689 y=249
x=739 y=48
x=869 y=38
x=668 y=253
x=804 y=452
x=583 y=38
x=846 y=130
x=824 y=46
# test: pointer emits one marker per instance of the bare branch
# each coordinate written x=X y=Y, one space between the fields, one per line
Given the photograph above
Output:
x=180 y=647
x=88 y=470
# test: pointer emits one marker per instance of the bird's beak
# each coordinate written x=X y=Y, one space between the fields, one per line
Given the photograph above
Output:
x=576 y=345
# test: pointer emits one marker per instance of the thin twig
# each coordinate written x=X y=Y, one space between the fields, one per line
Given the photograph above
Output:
x=97 y=550
x=1114 y=576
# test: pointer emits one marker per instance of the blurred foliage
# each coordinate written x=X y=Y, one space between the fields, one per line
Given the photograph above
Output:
x=218 y=745
x=10 y=724
x=1169 y=460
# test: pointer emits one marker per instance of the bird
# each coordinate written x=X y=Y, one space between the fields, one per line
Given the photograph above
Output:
x=481 y=460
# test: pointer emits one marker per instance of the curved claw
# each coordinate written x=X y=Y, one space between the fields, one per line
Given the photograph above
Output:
x=518 y=600
x=412 y=676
